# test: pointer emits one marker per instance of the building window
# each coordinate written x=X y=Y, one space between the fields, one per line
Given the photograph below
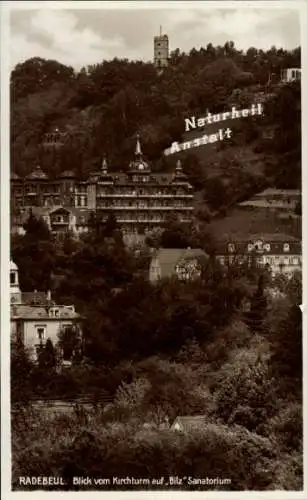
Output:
x=30 y=188
x=41 y=333
x=286 y=247
x=12 y=278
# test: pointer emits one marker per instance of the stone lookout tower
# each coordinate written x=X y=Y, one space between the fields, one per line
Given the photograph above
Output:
x=161 y=50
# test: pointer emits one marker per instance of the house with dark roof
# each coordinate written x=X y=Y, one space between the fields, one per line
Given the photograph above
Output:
x=35 y=317
x=185 y=264
x=278 y=253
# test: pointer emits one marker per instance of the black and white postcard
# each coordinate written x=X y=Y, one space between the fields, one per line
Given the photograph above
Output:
x=151 y=203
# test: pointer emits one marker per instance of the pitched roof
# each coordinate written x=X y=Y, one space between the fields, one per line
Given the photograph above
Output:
x=81 y=214
x=169 y=257
x=263 y=203
x=25 y=311
x=250 y=237
x=14 y=176
x=60 y=209
x=190 y=423
x=281 y=192
x=37 y=174
x=13 y=266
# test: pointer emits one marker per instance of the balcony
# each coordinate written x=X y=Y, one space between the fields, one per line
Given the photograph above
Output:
x=140 y=221
x=59 y=223
x=137 y=195
x=147 y=221
x=128 y=209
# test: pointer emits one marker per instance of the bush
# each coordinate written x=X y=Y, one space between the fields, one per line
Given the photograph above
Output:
x=287 y=427
x=244 y=387
x=130 y=450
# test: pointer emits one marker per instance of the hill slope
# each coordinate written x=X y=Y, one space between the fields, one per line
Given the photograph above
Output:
x=101 y=108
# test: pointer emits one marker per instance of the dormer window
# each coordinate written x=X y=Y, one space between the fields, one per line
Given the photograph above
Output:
x=54 y=313
x=267 y=247
x=231 y=248
x=250 y=247
x=286 y=247
x=258 y=245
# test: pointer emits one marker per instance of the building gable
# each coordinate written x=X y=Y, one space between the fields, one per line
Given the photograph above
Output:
x=60 y=211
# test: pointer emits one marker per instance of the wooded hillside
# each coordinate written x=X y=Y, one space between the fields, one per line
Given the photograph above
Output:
x=102 y=107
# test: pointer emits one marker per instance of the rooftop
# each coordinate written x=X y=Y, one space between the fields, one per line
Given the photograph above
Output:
x=189 y=423
x=284 y=192
x=13 y=266
x=170 y=257
x=243 y=237
x=37 y=174
x=35 y=312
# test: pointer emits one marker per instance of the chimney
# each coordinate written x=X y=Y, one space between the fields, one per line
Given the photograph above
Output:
x=48 y=295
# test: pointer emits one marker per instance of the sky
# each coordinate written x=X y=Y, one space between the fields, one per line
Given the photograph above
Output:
x=80 y=37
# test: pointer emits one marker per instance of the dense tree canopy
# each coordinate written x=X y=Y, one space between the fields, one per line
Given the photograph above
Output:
x=36 y=246
x=101 y=107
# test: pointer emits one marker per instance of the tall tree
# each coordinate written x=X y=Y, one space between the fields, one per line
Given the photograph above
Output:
x=34 y=254
x=258 y=306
